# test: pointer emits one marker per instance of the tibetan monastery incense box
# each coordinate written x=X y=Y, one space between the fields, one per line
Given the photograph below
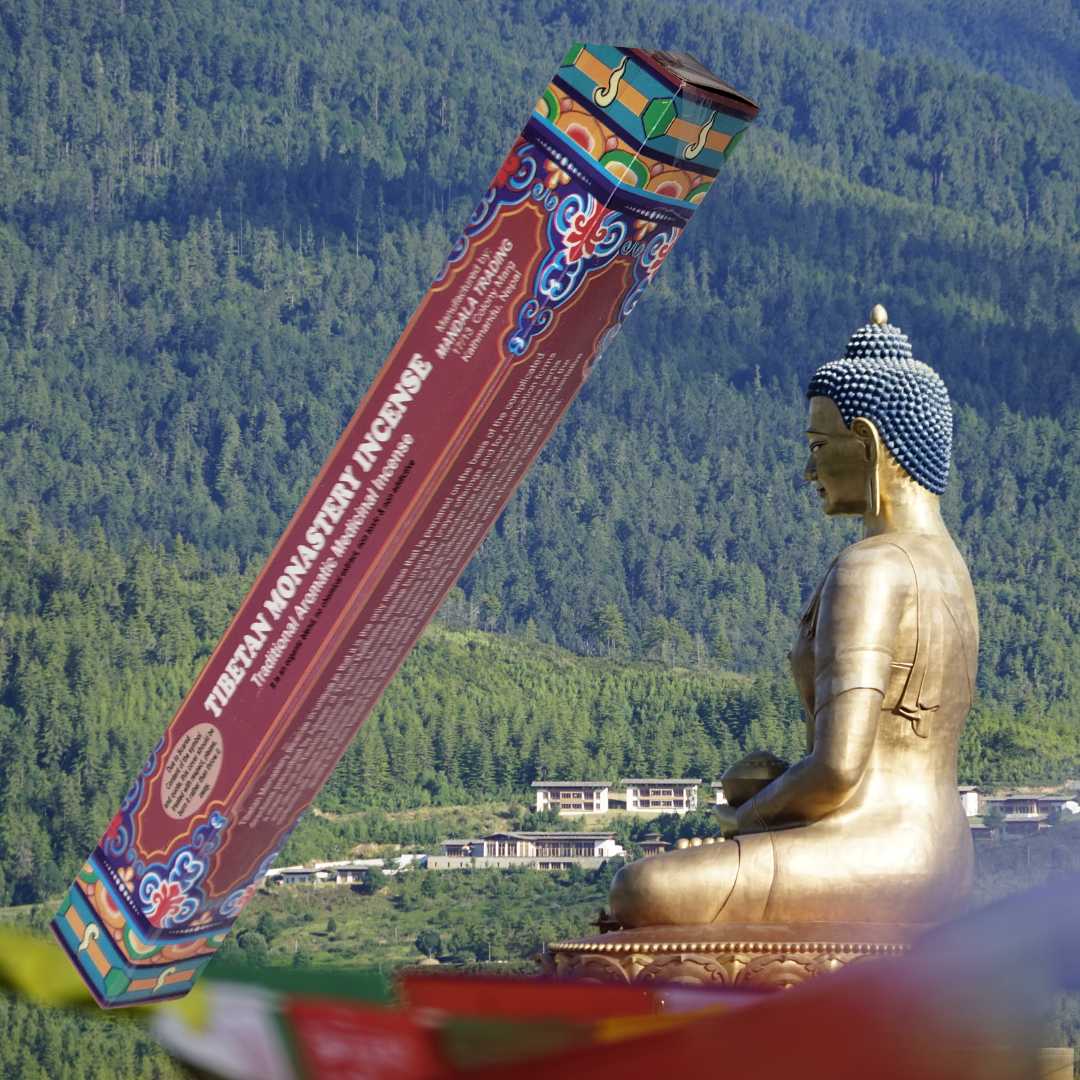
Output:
x=610 y=167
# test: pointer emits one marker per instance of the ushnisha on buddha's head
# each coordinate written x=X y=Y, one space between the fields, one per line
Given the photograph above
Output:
x=880 y=429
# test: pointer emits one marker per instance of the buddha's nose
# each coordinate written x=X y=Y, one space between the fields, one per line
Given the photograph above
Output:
x=810 y=472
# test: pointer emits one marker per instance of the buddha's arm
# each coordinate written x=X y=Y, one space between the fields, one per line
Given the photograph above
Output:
x=862 y=606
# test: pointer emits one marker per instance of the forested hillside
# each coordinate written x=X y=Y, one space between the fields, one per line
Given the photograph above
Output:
x=213 y=225
x=1031 y=44
x=98 y=649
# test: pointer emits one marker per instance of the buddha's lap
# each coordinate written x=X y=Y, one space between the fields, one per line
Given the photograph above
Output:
x=684 y=886
x=817 y=872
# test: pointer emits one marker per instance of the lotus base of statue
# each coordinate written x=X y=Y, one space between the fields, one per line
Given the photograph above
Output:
x=748 y=955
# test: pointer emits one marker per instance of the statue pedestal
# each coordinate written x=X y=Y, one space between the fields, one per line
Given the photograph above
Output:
x=774 y=956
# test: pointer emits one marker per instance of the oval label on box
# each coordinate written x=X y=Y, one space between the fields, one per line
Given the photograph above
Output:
x=191 y=771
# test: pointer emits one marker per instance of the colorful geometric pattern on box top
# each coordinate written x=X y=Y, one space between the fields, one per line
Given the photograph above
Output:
x=641 y=111
x=630 y=164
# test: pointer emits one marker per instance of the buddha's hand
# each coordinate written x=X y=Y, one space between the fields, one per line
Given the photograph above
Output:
x=748 y=819
x=725 y=818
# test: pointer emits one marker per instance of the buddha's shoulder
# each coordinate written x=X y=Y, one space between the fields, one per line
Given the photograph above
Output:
x=888 y=558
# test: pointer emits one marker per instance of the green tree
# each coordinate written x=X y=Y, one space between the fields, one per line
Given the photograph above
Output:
x=608 y=627
x=428 y=942
x=253 y=947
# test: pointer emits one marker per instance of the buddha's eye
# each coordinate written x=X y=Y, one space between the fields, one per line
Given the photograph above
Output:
x=815 y=446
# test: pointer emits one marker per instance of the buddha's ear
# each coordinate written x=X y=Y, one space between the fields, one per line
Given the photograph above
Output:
x=867 y=433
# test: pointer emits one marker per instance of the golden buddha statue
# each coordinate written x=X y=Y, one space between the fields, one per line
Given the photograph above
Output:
x=867 y=828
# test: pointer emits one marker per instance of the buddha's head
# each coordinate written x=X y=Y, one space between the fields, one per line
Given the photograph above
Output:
x=880 y=422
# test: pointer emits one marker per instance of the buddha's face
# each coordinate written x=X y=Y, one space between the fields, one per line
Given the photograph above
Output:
x=838 y=462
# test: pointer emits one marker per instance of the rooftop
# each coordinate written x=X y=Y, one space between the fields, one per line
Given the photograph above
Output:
x=1032 y=793
x=1031 y=798
x=660 y=780
x=348 y=864
x=572 y=783
x=556 y=835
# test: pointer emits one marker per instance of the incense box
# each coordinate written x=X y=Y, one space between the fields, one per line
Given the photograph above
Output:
x=619 y=151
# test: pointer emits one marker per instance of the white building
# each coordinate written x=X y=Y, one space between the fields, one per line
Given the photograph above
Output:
x=537 y=850
x=408 y=861
x=1025 y=814
x=349 y=871
x=719 y=798
x=572 y=797
x=653 y=845
x=969 y=799
x=338 y=872
x=297 y=875
x=663 y=796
